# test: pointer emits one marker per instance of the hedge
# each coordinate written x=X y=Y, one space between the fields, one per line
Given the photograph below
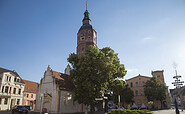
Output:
x=127 y=111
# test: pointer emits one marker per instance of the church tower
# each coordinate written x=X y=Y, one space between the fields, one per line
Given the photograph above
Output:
x=86 y=35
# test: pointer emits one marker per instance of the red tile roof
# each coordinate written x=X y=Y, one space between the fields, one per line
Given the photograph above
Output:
x=57 y=75
x=63 y=81
x=30 y=86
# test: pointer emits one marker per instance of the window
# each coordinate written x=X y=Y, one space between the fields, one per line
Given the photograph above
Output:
x=136 y=84
x=15 y=79
x=89 y=31
x=6 y=78
x=10 y=79
x=6 y=89
x=2 y=89
x=0 y=100
x=27 y=95
x=136 y=93
x=31 y=95
x=131 y=85
x=19 y=91
x=26 y=103
x=158 y=76
x=82 y=49
x=14 y=91
x=143 y=83
x=141 y=92
x=10 y=89
x=18 y=101
x=6 y=101
x=82 y=38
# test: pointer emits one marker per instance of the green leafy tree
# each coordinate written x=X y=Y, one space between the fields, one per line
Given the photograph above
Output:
x=155 y=90
x=93 y=72
x=126 y=94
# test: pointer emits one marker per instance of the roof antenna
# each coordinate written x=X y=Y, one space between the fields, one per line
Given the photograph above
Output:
x=86 y=4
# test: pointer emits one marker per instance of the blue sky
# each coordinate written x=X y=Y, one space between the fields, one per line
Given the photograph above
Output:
x=149 y=35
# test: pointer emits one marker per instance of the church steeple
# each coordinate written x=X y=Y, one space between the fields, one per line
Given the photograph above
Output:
x=86 y=19
x=86 y=35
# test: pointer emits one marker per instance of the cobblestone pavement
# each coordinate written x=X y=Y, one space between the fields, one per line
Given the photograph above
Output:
x=9 y=112
x=170 y=111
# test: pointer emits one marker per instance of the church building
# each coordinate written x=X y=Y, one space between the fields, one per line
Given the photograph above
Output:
x=54 y=93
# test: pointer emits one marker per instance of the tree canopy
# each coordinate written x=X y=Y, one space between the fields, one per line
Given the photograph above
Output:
x=120 y=88
x=93 y=72
x=155 y=90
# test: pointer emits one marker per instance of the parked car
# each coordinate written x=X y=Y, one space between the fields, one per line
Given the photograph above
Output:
x=28 y=107
x=18 y=109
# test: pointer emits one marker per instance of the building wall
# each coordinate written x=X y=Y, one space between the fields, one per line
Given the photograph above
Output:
x=137 y=87
x=47 y=86
x=11 y=90
x=136 y=84
x=159 y=75
x=85 y=37
x=29 y=99
x=67 y=104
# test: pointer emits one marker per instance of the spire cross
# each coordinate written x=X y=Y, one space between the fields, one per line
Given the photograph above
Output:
x=86 y=4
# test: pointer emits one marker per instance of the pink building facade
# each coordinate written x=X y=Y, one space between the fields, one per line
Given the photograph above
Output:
x=29 y=98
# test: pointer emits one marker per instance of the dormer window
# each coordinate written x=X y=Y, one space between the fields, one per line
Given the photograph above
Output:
x=16 y=79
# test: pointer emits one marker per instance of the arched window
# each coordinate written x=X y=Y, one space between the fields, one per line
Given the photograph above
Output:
x=136 y=84
x=131 y=85
x=136 y=93
x=143 y=83
x=141 y=92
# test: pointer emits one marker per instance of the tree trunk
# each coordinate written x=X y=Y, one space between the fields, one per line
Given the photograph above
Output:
x=161 y=104
x=92 y=109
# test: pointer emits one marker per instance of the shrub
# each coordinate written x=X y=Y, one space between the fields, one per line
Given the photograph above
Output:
x=127 y=111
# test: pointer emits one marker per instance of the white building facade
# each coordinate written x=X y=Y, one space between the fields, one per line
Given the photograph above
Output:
x=54 y=94
x=11 y=89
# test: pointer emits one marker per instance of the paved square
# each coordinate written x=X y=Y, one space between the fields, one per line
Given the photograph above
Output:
x=170 y=111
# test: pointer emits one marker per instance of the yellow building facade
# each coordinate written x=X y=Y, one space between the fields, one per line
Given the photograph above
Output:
x=136 y=84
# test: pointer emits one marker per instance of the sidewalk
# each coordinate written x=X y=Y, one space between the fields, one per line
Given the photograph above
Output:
x=169 y=111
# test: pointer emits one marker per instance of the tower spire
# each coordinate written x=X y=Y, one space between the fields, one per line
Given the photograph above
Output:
x=86 y=4
x=86 y=19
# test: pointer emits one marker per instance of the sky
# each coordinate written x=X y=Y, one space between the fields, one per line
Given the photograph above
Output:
x=148 y=35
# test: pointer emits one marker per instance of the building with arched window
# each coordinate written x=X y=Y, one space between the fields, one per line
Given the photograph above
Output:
x=137 y=86
x=11 y=89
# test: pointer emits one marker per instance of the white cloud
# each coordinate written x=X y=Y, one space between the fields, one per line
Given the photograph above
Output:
x=147 y=38
x=131 y=70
